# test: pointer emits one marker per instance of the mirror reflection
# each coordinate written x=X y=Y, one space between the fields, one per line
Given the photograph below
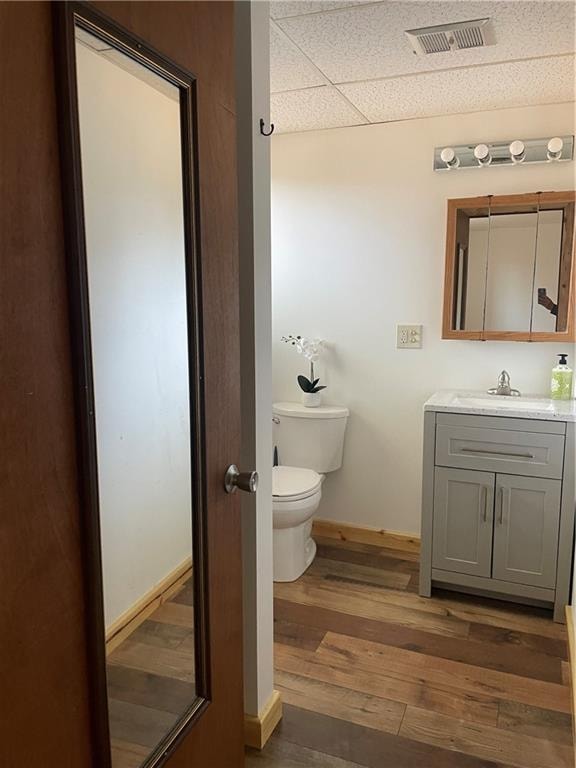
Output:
x=548 y=288
x=512 y=268
x=510 y=240
x=131 y=152
x=470 y=271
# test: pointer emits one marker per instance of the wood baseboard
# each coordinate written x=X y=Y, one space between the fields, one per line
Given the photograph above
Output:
x=125 y=624
x=405 y=542
x=570 y=617
x=258 y=729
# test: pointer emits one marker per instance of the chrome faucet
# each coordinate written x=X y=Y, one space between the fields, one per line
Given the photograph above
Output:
x=504 y=387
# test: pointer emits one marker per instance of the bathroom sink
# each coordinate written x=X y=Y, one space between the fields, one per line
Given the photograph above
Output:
x=481 y=403
x=496 y=401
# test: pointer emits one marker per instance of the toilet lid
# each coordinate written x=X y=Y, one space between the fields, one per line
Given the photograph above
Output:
x=292 y=482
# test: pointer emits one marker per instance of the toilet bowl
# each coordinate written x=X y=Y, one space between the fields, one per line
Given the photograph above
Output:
x=296 y=494
x=308 y=443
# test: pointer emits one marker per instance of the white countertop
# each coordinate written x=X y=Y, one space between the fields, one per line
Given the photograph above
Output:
x=483 y=404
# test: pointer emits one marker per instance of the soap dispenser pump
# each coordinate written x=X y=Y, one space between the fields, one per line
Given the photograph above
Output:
x=561 y=385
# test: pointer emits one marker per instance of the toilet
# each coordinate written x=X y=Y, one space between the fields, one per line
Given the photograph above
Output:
x=309 y=443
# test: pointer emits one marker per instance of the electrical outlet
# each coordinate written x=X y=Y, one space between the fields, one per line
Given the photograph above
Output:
x=409 y=336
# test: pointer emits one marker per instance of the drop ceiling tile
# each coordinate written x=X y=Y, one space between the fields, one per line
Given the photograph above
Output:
x=311 y=109
x=289 y=68
x=495 y=86
x=368 y=42
x=283 y=8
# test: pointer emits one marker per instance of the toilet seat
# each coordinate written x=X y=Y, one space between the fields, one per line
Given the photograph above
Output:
x=294 y=483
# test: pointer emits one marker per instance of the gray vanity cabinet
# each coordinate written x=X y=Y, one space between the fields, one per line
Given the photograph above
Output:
x=463 y=518
x=496 y=526
x=526 y=524
x=498 y=507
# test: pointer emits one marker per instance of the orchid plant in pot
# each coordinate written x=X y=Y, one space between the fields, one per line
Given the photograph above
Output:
x=310 y=349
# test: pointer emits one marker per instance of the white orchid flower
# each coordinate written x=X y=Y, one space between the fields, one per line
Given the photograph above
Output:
x=301 y=346
x=309 y=349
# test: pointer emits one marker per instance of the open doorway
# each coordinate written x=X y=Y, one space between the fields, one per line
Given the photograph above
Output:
x=422 y=622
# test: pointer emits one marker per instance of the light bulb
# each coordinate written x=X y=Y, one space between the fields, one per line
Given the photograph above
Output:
x=482 y=154
x=517 y=151
x=555 y=147
x=449 y=157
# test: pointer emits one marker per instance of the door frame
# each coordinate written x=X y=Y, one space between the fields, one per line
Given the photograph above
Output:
x=66 y=16
x=252 y=27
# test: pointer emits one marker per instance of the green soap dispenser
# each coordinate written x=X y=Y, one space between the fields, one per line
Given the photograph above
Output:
x=561 y=385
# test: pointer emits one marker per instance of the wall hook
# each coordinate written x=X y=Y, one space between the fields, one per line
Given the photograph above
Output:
x=262 y=131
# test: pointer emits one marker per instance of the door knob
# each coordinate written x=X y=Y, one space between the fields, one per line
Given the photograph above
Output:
x=246 y=481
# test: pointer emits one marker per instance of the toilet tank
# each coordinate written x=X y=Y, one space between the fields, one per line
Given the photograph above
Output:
x=309 y=437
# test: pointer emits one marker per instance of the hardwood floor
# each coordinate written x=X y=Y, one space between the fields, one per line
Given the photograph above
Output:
x=373 y=675
x=151 y=680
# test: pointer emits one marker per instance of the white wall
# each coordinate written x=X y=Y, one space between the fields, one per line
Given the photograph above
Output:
x=131 y=162
x=358 y=238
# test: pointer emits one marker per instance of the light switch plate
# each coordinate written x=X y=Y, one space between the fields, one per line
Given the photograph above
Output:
x=409 y=336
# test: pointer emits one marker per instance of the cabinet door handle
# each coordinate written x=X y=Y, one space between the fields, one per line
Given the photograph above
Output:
x=484 y=502
x=498 y=453
x=502 y=498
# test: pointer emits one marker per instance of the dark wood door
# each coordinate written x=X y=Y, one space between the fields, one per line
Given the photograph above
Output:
x=45 y=662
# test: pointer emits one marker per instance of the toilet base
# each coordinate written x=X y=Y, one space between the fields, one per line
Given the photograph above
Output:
x=294 y=551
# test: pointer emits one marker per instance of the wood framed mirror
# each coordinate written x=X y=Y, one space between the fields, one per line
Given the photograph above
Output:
x=130 y=167
x=509 y=273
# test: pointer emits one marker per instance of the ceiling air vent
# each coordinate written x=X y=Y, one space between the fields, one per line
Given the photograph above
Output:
x=459 y=36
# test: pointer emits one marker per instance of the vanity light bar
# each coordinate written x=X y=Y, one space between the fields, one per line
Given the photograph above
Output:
x=510 y=152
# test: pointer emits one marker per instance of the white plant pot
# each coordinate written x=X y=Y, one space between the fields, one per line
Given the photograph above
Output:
x=311 y=399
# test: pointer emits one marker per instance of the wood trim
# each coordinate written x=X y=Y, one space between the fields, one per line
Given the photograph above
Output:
x=570 y=618
x=450 y=333
x=329 y=529
x=259 y=728
x=502 y=204
x=525 y=198
x=131 y=619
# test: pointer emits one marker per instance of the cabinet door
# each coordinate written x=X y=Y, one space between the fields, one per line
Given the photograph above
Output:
x=527 y=516
x=463 y=521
